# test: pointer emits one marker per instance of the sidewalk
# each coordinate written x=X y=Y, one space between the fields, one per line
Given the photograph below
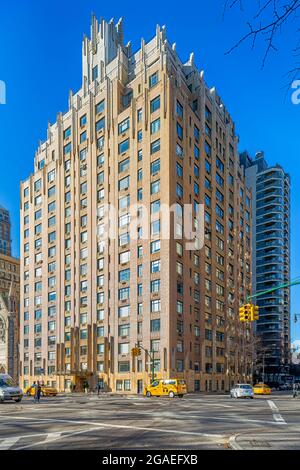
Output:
x=277 y=440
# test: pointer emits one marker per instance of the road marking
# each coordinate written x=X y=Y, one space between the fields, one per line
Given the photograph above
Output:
x=122 y=426
x=53 y=436
x=276 y=414
x=233 y=444
x=59 y=436
x=8 y=443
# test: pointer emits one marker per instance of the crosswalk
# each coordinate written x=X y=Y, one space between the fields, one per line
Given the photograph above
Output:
x=29 y=441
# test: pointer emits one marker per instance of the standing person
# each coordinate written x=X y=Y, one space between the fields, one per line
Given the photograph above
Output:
x=98 y=388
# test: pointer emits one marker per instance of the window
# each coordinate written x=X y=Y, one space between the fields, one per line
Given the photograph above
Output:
x=179 y=151
x=38 y=185
x=124 y=126
x=124 y=183
x=155 y=146
x=124 y=311
x=100 y=124
x=179 y=170
x=155 y=167
x=155 y=246
x=124 y=165
x=179 y=110
x=67 y=148
x=179 y=131
x=124 y=257
x=155 y=325
x=155 y=266
x=100 y=107
x=155 y=187
x=155 y=126
x=124 y=146
x=155 y=206
x=124 y=367
x=67 y=132
x=155 y=306
x=51 y=176
x=124 y=275
x=179 y=191
x=196 y=133
x=155 y=104
x=83 y=120
x=95 y=73
x=51 y=191
x=153 y=79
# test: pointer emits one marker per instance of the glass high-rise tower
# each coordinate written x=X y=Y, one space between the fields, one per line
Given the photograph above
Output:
x=271 y=260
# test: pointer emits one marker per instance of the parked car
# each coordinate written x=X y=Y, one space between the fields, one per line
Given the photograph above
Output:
x=242 y=391
x=9 y=390
x=261 y=389
x=46 y=391
x=168 y=387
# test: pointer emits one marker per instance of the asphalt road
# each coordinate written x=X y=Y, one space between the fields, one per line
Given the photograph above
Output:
x=112 y=422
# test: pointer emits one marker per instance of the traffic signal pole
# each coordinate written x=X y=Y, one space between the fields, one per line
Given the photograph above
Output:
x=151 y=356
x=295 y=282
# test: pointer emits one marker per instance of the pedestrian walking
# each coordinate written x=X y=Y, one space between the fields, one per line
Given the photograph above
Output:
x=295 y=390
x=38 y=391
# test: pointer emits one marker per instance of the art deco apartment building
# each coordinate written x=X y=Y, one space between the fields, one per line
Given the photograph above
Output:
x=144 y=130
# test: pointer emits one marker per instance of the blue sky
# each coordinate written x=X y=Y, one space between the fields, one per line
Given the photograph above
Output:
x=40 y=60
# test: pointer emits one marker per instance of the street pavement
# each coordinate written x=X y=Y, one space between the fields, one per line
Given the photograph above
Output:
x=134 y=422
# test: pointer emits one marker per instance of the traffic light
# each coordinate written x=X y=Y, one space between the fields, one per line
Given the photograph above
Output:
x=242 y=313
x=136 y=351
x=254 y=313
x=245 y=313
x=248 y=310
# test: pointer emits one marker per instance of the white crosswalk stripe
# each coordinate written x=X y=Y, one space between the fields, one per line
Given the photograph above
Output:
x=8 y=443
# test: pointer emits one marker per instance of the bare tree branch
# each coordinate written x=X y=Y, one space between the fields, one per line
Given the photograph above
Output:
x=269 y=21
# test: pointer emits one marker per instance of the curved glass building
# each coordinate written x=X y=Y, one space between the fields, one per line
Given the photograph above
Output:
x=271 y=261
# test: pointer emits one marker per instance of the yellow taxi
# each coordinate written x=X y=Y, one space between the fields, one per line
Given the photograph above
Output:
x=46 y=391
x=166 y=388
x=261 y=389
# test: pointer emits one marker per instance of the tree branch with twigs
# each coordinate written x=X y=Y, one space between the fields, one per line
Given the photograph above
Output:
x=271 y=18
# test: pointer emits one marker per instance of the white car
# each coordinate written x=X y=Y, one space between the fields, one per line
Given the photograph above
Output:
x=9 y=390
x=242 y=391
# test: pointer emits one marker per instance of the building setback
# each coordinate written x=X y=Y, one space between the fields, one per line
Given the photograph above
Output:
x=143 y=130
x=271 y=261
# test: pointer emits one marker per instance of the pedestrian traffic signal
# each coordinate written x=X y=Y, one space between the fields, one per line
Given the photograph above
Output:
x=254 y=313
x=136 y=352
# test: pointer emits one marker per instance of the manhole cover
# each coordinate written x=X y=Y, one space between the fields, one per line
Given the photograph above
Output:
x=260 y=444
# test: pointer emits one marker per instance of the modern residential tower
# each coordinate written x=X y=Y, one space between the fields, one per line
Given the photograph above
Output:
x=271 y=261
x=143 y=132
